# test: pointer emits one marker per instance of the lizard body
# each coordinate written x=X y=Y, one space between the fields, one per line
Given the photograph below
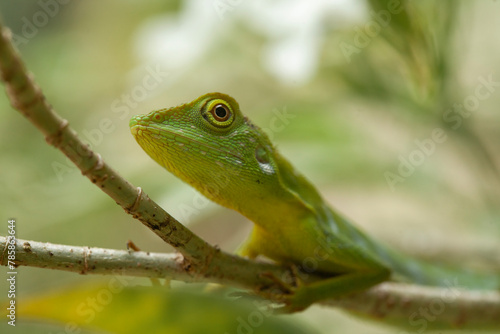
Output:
x=209 y=144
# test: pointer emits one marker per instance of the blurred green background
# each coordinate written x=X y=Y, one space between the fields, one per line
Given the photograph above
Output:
x=364 y=88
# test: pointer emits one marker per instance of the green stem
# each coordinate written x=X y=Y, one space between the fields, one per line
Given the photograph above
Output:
x=101 y=261
x=409 y=306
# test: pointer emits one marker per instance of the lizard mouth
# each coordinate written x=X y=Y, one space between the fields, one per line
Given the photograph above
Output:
x=173 y=138
x=134 y=126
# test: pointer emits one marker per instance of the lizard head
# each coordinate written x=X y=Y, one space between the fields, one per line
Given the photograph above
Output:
x=209 y=144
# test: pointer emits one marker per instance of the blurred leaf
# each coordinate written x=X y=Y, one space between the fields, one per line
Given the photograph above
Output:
x=126 y=310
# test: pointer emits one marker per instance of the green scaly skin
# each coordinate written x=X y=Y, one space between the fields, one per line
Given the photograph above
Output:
x=209 y=144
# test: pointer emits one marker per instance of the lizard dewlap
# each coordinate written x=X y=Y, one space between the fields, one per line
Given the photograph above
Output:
x=209 y=144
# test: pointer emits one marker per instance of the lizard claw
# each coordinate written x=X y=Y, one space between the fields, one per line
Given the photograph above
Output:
x=292 y=290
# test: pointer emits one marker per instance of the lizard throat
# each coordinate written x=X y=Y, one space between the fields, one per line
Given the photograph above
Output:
x=175 y=139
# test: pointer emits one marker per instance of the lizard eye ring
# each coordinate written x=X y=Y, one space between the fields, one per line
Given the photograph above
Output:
x=218 y=113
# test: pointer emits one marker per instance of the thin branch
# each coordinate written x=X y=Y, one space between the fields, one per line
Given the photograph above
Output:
x=402 y=304
x=421 y=307
x=101 y=261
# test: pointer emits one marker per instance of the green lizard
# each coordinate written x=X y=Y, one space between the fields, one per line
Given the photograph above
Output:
x=209 y=144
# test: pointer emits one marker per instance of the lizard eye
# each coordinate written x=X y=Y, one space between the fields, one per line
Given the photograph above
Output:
x=218 y=113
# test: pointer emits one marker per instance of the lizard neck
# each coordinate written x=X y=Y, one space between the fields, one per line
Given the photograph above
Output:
x=287 y=199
